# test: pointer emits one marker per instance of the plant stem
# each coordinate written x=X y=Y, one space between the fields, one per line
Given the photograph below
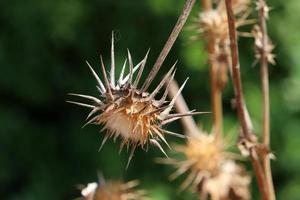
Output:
x=168 y=45
x=216 y=93
x=188 y=122
x=266 y=98
x=242 y=114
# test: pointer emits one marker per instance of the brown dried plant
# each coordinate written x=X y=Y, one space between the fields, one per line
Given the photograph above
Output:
x=131 y=112
x=112 y=190
x=211 y=168
x=134 y=114
x=259 y=152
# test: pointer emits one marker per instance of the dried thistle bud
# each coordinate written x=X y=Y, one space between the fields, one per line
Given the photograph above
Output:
x=210 y=168
x=259 y=48
x=112 y=190
x=213 y=23
x=129 y=112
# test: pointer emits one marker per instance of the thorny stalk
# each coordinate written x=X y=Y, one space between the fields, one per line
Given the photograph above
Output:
x=242 y=113
x=262 y=12
x=188 y=122
x=168 y=45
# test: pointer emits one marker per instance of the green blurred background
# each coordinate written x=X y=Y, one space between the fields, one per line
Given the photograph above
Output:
x=44 y=153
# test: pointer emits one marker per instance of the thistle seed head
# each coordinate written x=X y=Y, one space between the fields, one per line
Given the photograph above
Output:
x=210 y=168
x=112 y=190
x=128 y=112
x=213 y=23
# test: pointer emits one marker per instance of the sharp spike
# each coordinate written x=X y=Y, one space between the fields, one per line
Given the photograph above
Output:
x=90 y=121
x=170 y=120
x=161 y=137
x=134 y=70
x=81 y=104
x=157 y=110
x=130 y=156
x=103 y=90
x=153 y=94
x=154 y=142
x=121 y=146
x=122 y=72
x=88 y=97
x=130 y=67
x=136 y=82
x=164 y=96
x=112 y=67
x=170 y=116
x=173 y=134
x=92 y=112
x=171 y=104
x=105 y=78
x=103 y=142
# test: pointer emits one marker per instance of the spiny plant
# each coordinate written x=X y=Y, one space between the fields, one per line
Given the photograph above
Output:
x=131 y=112
x=112 y=190
x=137 y=117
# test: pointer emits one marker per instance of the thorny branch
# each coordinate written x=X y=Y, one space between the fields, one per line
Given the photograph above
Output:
x=242 y=113
x=263 y=14
x=168 y=45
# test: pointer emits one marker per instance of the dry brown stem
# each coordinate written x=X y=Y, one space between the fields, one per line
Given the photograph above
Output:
x=168 y=45
x=262 y=12
x=242 y=113
x=216 y=93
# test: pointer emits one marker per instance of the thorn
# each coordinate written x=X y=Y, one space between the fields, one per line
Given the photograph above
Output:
x=154 y=142
x=122 y=72
x=130 y=156
x=87 y=97
x=141 y=70
x=112 y=67
x=103 y=90
x=105 y=78
x=153 y=94
x=81 y=104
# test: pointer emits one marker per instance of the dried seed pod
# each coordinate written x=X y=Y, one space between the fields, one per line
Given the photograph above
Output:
x=210 y=168
x=126 y=111
x=112 y=190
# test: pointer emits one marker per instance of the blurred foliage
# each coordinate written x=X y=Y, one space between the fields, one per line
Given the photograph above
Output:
x=43 y=47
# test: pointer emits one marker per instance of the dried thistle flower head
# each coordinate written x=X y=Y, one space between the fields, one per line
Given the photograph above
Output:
x=112 y=190
x=213 y=23
x=231 y=183
x=258 y=37
x=209 y=167
x=131 y=112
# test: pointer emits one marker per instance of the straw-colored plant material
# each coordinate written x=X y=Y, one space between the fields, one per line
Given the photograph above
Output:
x=257 y=34
x=131 y=113
x=212 y=23
x=210 y=168
x=112 y=190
